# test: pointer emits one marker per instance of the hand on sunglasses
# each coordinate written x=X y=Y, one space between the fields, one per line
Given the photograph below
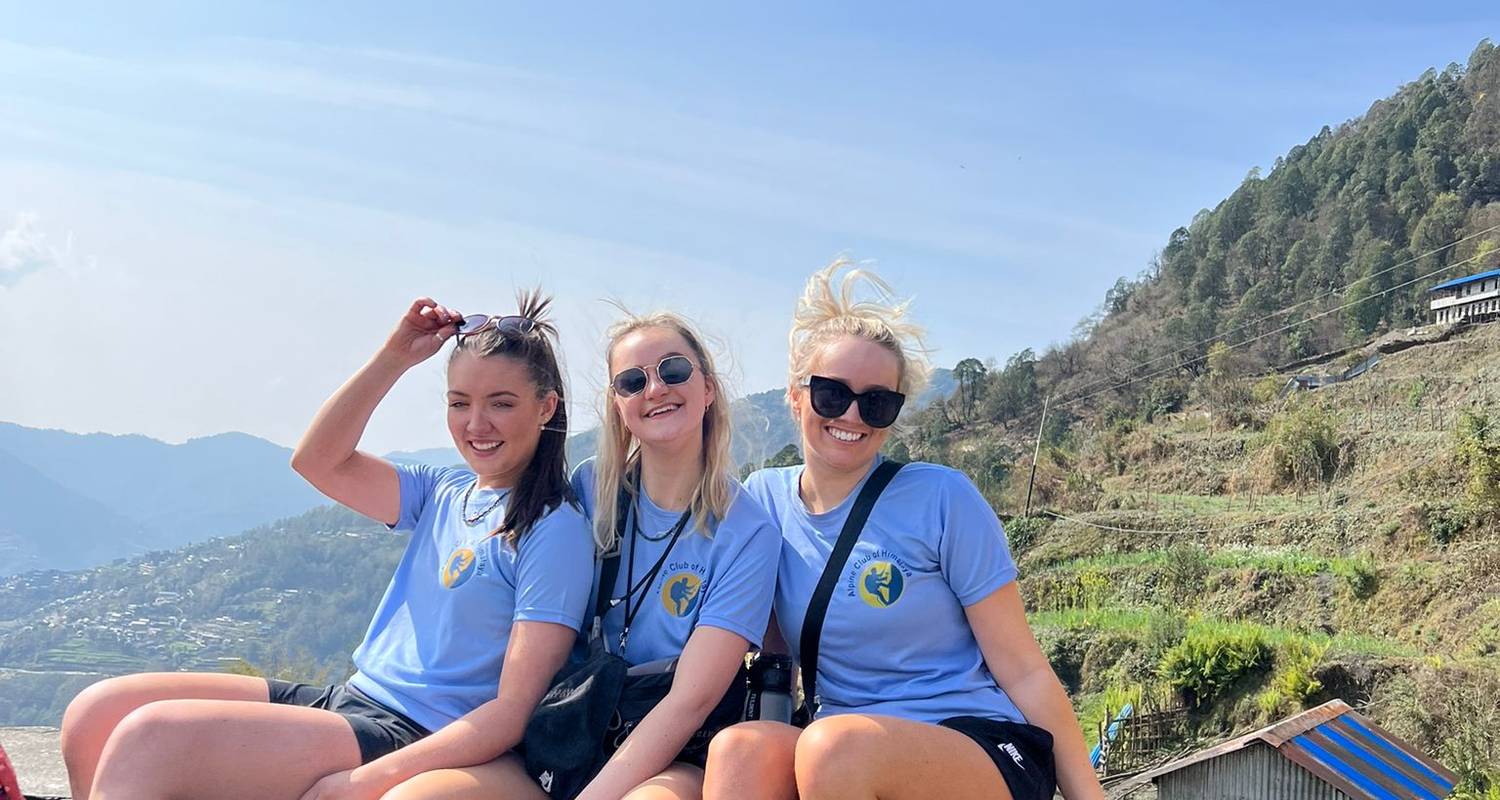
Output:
x=672 y=371
x=422 y=331
x=831 y=397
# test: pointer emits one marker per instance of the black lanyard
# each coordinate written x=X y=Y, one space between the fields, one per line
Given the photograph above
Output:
x=631 y=587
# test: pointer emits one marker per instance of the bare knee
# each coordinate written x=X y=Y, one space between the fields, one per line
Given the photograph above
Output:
x=93 y=708
x=751 y=760
x=752 y=746
x=89 y=720
x=835 y=755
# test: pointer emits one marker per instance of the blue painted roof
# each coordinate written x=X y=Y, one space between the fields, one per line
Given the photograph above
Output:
x=1370 y=762
x=1494 y=273
x=1344 y=749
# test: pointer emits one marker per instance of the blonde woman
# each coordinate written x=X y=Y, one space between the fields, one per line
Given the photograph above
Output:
x=698 y=561
x=930 y=682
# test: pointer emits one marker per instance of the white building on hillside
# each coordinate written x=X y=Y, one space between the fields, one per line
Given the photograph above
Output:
x=1475 y=298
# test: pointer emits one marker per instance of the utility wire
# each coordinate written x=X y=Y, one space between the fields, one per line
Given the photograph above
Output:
x=1295 y=306
x=1281 y=329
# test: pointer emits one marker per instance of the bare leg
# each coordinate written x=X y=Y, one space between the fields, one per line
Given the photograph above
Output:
x=677 y=782
x=94 y=713
x=752 y=761
x=504 y=778
x=869 y=756
x=223 y=749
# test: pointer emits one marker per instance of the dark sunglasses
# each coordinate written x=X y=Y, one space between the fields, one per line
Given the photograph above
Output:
x=672 y=370
x=509 y=323
x=831 y=398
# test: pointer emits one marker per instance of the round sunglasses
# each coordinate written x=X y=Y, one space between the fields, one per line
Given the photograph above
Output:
x=507 y=323
x=830 y=398
x=672 y=370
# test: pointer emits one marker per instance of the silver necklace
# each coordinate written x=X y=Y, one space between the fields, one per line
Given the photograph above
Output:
x=475 y=520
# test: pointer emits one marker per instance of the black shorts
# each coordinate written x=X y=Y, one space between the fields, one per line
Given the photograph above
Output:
x=379 y=730
x=1022 y=753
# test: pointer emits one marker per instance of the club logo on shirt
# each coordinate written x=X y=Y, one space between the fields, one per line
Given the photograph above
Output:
x=459 y=568
x=681 y=592
x=881 y=584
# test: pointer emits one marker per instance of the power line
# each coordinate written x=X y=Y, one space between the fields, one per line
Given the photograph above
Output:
x=1294 y=306
x=1281 y=329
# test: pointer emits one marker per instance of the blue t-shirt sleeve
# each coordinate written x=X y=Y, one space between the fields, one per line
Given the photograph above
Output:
x=973 y=554
x=555 y=570
x=418 y=484
x=739 y=597
x=582 y=481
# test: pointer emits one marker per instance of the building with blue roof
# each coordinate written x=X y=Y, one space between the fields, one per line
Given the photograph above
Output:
x=1475 y=298
x=1331 y=752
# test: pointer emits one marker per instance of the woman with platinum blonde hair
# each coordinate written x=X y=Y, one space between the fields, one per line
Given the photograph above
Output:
x=925 y=678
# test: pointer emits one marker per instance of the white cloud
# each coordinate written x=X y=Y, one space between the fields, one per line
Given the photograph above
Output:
x=24 y=249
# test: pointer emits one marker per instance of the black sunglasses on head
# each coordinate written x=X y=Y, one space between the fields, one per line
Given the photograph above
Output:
x=831 y=398
x=508 y=323
x=672 y=370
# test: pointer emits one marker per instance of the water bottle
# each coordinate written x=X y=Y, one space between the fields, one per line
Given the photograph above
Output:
x=770 y=688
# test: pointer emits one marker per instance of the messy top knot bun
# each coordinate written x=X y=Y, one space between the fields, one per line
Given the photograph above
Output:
x=829 y=308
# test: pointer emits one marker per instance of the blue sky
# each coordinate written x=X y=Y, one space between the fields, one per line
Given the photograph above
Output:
x=227 y=207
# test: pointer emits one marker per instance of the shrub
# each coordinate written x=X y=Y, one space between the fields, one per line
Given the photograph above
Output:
x=1023 y=532
x=1478 y=453
x=1300 y=445
x=1416 y=392
x=1361 y=578
x=1295 y=665
x=1266 y=389
x=1444 y=522
x=1183 y=573
x=1163 y=396
x=1205 y=664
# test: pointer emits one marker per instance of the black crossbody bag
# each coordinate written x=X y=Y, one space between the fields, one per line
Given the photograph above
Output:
x=817 y=608
x=593 y=706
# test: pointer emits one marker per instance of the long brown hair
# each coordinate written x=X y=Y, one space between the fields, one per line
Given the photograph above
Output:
x=543 y=485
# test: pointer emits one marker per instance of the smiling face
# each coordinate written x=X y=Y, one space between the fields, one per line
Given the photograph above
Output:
x=660 y=415
x=495 y=416
x=846 y=444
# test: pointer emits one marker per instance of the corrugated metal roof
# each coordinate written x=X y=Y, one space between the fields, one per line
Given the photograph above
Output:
x=1346 y=750
x=1461 y=281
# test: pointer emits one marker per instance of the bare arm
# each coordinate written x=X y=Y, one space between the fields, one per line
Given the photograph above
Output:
x=1011 y=652
x=708 y=663
x=535 y=653
x=326 y=455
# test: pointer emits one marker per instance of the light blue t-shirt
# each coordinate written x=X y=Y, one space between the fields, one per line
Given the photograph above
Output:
x=434 y=649
x=725 y=581
x=895 y=640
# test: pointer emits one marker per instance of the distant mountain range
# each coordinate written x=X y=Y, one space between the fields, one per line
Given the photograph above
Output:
x=72 y=500
x=69 y=501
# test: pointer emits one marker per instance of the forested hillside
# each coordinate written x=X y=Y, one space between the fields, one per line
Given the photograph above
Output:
x=1204 y=536
x=293 y=597
x=1340 y=239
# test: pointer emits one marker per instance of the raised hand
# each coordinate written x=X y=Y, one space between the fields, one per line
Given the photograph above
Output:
x=422 y=331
